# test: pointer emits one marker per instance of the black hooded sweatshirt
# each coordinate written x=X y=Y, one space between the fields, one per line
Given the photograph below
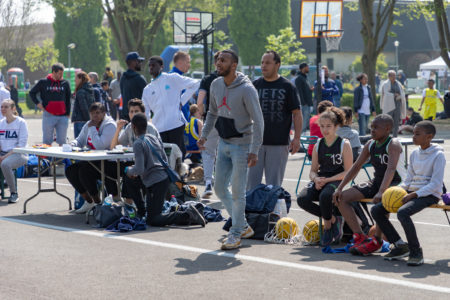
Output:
x=132 y=85
x=55 y=95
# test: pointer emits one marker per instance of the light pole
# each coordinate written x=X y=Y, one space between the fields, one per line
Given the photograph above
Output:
x=396 y=43
x=70 y=47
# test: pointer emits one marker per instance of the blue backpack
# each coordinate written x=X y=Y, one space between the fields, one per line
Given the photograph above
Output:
x=263 y=198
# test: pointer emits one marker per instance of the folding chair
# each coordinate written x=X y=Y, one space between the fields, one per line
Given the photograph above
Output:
x=305 y=141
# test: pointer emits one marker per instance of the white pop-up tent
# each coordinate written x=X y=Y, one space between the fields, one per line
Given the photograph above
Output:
x=435 y=64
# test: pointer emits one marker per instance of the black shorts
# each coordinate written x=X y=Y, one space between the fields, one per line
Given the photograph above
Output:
x=370 y=188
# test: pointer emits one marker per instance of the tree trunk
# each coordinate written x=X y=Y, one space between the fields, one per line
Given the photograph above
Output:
x=375 y=28
x=443 y=30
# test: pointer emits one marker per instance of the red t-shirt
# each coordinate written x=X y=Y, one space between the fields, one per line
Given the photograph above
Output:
x=314 y=131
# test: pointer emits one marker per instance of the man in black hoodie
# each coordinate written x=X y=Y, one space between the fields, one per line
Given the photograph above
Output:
x=54 y=94
x=132 y=84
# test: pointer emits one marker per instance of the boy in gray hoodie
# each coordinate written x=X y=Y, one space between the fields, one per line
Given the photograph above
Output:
x=153 y=176
x=235 y=112
x=424 y=183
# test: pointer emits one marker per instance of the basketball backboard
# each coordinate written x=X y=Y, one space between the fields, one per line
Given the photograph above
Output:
x=320 y=15
x=186 y=24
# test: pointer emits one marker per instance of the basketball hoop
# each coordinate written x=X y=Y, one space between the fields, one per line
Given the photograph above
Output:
x=333 y=39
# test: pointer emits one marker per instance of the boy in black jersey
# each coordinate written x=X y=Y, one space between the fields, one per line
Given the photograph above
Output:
x=385 y=154
x=331 y=159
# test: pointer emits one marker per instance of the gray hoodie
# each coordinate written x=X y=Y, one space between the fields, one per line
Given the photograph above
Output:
x=426 y=171
x=100 y=139
x=239 y=104
x=146 y=164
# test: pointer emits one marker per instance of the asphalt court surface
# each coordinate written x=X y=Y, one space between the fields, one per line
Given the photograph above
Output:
x=51 y=253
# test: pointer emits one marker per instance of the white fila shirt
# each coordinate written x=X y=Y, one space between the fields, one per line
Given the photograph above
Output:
x=13 y=135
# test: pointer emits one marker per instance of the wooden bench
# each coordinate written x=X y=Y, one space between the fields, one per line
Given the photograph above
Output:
x=440 y=205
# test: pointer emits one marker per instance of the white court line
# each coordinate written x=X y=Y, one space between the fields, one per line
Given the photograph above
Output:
x=44 y=182
x=268 y=261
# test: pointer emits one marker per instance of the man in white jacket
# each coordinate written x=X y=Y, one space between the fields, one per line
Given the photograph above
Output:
x=392 y=100
x=163 y=97
x=424 y=185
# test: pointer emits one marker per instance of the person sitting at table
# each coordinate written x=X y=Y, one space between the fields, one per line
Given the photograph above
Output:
x=13 y=134
x=131 y=187
x=154 y=178
x=97 y=134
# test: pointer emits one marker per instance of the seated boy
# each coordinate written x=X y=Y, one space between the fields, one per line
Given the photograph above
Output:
x=97 y=135
x=192 y=133
x=131 y=188
x=423 y=183
x=385 y=154
x=413 y=119
x=155 y=179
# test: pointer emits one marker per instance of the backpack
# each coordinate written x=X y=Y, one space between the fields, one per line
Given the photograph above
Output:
x=183 y=192
x=30 y=169
x=263 y=198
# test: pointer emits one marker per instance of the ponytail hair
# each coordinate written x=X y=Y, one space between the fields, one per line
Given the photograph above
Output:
x=361 y=76
x=335 y=115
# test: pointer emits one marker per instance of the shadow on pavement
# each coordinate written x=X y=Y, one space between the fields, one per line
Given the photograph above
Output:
x=376 y=262
x=206 y=262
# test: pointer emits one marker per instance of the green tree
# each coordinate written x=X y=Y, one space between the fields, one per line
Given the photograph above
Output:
x=443 y=29
x=221 y=41
x=138 y=24
x=252 y=21
x=287 y=45
x=41 y=58
x=381 y=65
x=2 y=62
x=85 y=30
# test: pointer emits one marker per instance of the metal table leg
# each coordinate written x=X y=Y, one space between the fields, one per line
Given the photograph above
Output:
x=41 y=190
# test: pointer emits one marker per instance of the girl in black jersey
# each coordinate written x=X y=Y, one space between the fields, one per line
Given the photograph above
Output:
x=331 y=159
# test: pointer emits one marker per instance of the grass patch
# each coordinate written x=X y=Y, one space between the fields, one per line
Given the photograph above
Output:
x=414 y=102
x=28 y=112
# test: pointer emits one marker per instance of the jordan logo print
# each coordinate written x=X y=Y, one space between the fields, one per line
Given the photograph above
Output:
x=224 y=103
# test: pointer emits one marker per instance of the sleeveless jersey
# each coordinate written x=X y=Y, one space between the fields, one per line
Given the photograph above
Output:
x=191 y=135
x=331 y=161
x=379 y=158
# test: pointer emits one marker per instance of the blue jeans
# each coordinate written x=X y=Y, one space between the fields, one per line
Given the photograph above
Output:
x=77 y=126
x=363 y=122
x=50 y=123
x=306 y=114
x=231 y=167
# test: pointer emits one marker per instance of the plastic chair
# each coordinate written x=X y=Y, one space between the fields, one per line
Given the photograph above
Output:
x=305 y=141
x=364 y=167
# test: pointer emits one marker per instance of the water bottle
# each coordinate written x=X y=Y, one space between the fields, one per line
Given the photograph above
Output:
x=280 y=208
x=130 y=211
x=108 y=200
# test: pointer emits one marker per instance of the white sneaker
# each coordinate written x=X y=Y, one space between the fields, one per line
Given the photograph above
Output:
x=85 y=208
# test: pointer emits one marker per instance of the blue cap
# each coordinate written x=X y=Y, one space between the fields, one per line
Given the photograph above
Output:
x=133 y=56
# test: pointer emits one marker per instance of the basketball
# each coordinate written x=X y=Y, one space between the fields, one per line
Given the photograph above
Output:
x=392 y=198
x=286 y=228
x=311 y=232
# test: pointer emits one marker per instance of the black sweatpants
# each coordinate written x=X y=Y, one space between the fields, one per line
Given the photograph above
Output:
x=310 y=194
x=175 y=136
x=155 y=203
x=381 y=217
x=83 y=177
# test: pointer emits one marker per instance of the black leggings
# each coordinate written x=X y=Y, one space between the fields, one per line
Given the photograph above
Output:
x=325 y=197
x=155 y=203
x=83 y=177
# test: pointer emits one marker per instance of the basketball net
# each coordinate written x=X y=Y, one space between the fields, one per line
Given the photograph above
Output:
x=333 y=39
x=272 y=237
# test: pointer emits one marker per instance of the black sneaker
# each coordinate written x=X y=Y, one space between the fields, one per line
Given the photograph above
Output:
x=415 y=257
x=338 y=229
x=195 y=217
x=397 y=252
x=208 y=192
x=327 y=237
